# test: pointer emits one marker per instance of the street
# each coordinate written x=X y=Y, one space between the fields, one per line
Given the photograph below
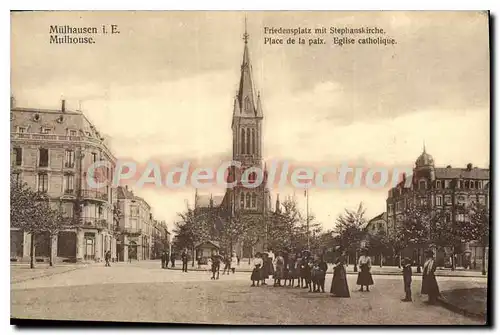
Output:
x=144 y=292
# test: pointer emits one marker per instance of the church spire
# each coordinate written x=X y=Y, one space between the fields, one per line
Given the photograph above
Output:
x=246 y=98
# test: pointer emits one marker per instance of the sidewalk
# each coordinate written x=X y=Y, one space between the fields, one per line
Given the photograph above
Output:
x=22 y=272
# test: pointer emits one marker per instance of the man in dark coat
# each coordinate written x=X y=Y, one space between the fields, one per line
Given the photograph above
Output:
x=184 y=258
x=163 y=259
x=172 y=259
x=407 y=279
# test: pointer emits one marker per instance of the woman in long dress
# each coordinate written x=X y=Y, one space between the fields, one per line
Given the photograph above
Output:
x=278 y=273
x=339 y=286
x=364 y=276
x=429 y=282
x=234 y=262
x=256 y=272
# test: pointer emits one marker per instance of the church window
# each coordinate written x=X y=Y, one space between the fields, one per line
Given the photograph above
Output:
x=248 y=204
x=252 y=177
x=242 y=200
x=248 y=142
x=254 y=200
x=248 y=105
x=254 y=142
x=243 y=140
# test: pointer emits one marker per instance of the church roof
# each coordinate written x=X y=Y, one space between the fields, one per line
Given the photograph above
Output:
x=204 y=200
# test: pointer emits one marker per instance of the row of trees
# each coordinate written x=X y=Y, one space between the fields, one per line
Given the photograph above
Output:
x=419 y=226
x=32 y=212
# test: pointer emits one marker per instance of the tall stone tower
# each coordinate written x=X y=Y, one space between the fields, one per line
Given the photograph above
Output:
x=247 y=147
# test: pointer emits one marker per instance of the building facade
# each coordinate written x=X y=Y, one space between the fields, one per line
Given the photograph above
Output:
x=440 y=189
x=51 y=151
x=136 y=225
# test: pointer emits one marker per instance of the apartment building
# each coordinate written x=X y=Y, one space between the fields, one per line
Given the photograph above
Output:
x=51 y=151
x=135 y=241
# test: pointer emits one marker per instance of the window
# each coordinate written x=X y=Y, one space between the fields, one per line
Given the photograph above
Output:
x=438 y=184
x=243 y=141
x=447 y=199
x=21 y=129
x=482 y=199
x=254 y=200
x=69 y=160
x=446 y=184
x=44 y=157
x=248 y=141
x=254 y=141
x=72 y=132
x=439 y=200
x=69 y=182
x=461 y=199
x=94 y=157
x=460 y=217
x=248 y=203
x=471 y=185
x=242 y=200
x=421 y=185
x=19 y=156
x=43 y=182
x=478 y=184
x=248 y=105
x=45 y=130
x=134 y=211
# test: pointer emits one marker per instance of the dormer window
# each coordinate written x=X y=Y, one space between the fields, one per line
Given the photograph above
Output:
x=45 y=130
x=21 y=129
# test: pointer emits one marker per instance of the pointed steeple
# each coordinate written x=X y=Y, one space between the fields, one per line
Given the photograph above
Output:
x=259 y=106
x=424 y=148
x=278 y=208
x=246 y=98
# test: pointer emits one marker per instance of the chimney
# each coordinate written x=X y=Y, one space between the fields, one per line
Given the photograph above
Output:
x=448 y=167
x=126 y=187
x=63 y=106
x=469 y=166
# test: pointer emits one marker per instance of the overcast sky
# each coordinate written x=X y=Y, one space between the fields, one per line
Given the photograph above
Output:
x=163 y=89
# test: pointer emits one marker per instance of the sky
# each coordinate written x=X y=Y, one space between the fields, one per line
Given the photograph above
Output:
x=162 y=90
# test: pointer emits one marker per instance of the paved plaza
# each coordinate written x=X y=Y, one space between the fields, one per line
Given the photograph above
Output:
x=144 y=292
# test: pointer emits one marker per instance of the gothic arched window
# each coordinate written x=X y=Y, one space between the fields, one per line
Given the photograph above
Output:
x=248 y=142
x=254 y=141
x=243 y=140
x=248 y=105
x=242 y=200
x=254 y=200
x=248 y=204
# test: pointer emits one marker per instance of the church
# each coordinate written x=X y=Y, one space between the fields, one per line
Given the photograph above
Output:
x=241 y=201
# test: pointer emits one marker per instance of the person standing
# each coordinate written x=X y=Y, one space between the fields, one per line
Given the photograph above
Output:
x=184 y=258
x=407 y=279
x=298 y=269
x=215 y=265
x=364 y=276
x=234 y=263
x=162 y=256
x=429 y=283
x=227 y=264
x=339 y=286
x=167 y=259
x=322 y=269
x=172 y=260
x=107 y=257
x=278 y=273
x=256 y=272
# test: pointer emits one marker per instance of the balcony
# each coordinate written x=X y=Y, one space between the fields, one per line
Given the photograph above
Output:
x=70 y=192
x=54 y=137
x=98 y=223
x=131 y=231
x=69 y=165
x=94 y=195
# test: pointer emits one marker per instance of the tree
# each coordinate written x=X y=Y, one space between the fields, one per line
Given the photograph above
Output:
x=479 y=226
x=31 y=212
x=349 y=226
x=192 y=229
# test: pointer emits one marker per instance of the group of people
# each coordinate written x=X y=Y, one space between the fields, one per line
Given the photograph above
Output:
x=310 y=273
x=231 y=262
x=165 y=258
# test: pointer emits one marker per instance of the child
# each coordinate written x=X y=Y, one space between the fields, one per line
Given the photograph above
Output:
x=407 y=279
x=256 y=272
